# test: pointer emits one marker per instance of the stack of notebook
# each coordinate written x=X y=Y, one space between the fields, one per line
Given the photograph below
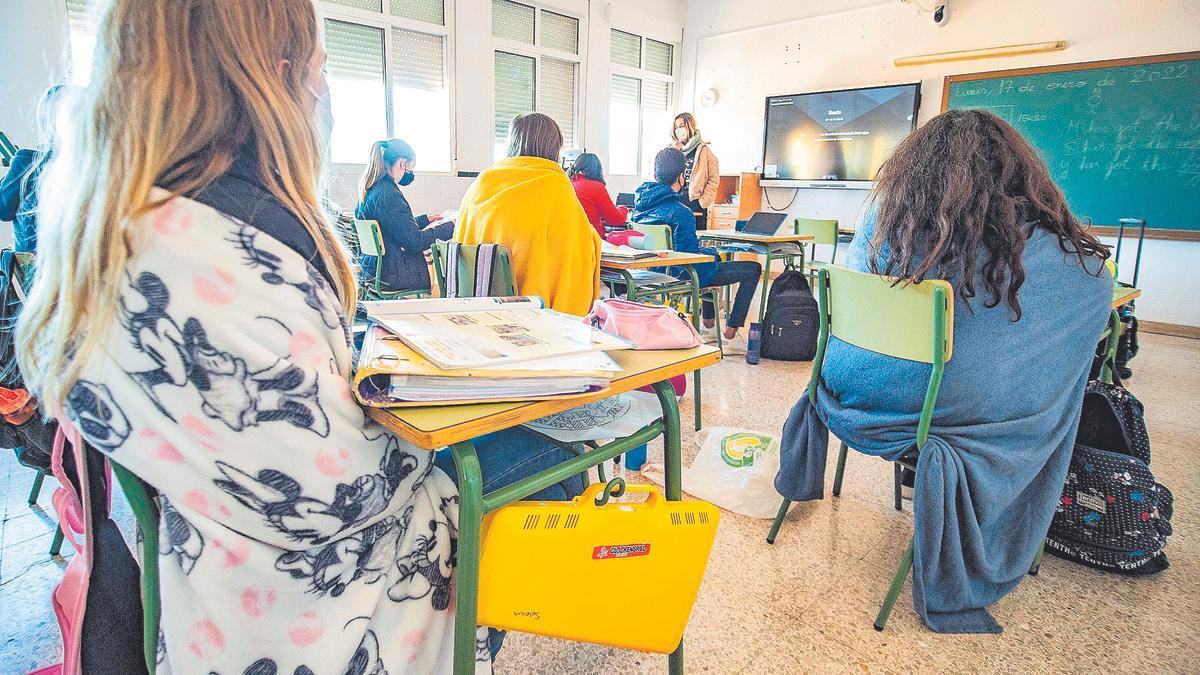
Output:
x=472 y=350
x=624 y=253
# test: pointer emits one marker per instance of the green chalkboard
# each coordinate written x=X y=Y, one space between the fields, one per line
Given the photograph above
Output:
x=1121 y=137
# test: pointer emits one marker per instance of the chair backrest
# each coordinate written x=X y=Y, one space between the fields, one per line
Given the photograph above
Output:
x=906 y=321
x=824 y=231
x=370 y=238
x=657 y=238
x=145 y=511
x=501 y=284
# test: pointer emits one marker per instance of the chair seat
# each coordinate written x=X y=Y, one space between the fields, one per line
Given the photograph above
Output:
x=761 y=249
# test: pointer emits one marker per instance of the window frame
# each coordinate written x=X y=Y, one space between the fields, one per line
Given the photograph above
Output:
x=536 y=51
x=388 y=21
x=643 y=74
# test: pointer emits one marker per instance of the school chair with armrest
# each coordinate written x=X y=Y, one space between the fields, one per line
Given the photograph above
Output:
x=144 y=504
x=913 y=322
x=370 y=243
x=824 y=232
x=501 y=284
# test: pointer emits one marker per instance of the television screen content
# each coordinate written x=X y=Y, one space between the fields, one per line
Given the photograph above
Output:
x=836 y=135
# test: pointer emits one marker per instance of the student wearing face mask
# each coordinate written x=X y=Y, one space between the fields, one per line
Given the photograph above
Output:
x=405 y=237
x=702 y=174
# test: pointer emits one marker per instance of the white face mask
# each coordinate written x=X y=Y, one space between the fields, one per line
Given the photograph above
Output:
x=324 y=119
x=681 y=133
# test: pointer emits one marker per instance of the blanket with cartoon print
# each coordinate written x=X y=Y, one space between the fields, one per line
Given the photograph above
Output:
x=297 y=536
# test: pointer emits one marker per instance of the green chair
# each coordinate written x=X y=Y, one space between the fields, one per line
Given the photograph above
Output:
x=370 y=243
x=502 y=283
x=913 y=322
x=824 y=232
x=144 y=504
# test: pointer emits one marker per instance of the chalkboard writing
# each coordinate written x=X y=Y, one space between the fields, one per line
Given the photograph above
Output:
x=1121 y=138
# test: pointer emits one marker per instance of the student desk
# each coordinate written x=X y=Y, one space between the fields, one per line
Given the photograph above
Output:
x=772 y=246
x=625 y=271
x=1123 y=294
x=433 y=427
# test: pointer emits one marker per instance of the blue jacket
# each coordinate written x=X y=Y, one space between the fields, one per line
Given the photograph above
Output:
x=18 y=197
x=405 y=237
x=657 y=204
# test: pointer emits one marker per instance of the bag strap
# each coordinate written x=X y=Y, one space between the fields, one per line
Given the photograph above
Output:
x=485 y=265
x=452 y=255
x=80 y=497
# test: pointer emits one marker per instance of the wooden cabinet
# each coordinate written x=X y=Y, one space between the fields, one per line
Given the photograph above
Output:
x=722 y=216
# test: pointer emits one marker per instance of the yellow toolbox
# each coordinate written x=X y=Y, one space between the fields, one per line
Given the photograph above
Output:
x=543 y=564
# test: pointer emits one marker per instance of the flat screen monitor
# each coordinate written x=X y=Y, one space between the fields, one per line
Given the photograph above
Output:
x=835 y=138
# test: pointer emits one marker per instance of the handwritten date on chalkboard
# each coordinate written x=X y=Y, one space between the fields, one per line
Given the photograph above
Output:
x=1120 y=141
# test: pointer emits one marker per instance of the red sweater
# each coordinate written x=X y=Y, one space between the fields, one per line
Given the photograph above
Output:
x=598 y=206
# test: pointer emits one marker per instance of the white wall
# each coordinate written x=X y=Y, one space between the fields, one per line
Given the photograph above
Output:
x=749 y=49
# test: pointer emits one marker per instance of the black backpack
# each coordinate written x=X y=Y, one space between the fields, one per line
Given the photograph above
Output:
x=791 y=324
x=1112 y=515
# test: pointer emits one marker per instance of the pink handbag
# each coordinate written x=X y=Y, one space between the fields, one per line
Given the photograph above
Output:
x=645 y=326
x=75 y=518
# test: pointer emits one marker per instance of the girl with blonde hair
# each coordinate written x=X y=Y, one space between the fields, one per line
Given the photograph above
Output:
x=702 y=175
x=189 y=316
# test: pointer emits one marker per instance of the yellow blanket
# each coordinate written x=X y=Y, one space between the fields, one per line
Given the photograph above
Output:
x=528 y=205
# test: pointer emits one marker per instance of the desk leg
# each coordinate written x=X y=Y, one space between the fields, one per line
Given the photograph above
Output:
x=697 y=312
x=466 y=581
x=762 y=300
x=673 y=475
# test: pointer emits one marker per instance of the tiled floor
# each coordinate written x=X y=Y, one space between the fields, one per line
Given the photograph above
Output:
x=806 y=603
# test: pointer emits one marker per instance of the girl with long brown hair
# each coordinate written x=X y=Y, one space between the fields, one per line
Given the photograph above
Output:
x=189 y=317
x=965 y=198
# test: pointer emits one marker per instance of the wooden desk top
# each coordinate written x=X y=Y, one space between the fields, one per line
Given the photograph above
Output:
x=434 y=427
x=671 y=258
x=728 y=235
x=1122 y=295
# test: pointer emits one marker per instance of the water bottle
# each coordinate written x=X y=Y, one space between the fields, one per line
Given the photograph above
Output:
x=635 y=458
x=754 y=344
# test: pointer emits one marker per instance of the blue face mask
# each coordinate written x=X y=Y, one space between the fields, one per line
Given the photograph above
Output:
x=407 y=178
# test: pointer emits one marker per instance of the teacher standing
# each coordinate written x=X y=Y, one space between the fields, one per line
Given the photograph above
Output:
x=702 y=174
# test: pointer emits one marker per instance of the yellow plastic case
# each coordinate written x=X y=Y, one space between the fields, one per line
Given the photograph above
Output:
x=543 y=564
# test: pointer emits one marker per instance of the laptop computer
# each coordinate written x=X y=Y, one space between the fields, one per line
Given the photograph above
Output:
x=625 y=199
x=764 y=223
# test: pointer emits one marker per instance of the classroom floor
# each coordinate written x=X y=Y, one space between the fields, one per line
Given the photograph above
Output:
x=806 y=604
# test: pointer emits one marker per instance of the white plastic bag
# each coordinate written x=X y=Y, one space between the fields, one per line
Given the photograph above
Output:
x=735 y=470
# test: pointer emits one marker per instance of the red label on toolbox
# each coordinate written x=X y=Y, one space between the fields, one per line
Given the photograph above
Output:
x=620 y=551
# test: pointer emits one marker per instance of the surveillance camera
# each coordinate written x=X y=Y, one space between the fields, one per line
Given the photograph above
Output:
x=941 y=14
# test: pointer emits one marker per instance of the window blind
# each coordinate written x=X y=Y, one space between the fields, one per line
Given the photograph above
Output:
x=512 y=21
x=559 y=32
x=656 y=96
x=79 y=14
x=624 y=125
x=514 y=90
x=369 y=5
x=418 y=60
x=355 y=51
x=658 y=57
x=626 y=49
x=432 y=11
x=556 y=95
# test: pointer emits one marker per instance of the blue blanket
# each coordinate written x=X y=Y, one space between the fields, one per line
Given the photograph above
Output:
x=991 y=474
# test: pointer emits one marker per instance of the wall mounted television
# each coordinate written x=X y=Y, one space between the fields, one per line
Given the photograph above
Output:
x=835 y=139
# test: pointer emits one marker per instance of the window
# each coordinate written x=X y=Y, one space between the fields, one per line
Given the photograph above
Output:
x=642 y=95
x=389 y=77
x=80 y=18
x=537 y=68
x=357 y=89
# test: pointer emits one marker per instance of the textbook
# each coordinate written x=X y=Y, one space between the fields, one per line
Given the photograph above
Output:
x=391 y=374
x=624 y=253
x=481 y=332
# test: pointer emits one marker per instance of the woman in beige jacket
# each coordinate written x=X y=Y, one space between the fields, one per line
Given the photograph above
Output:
x=702 y=174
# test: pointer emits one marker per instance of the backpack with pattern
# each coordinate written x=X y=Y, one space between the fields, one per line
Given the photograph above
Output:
x=1113 y=514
